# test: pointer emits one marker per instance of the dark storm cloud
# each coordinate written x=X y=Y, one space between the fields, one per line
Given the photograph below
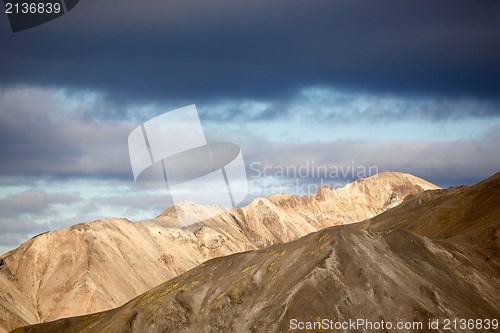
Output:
x=319 y=105
x=204 y=51
x=43 y=134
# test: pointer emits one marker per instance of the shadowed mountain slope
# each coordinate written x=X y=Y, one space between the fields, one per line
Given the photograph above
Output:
x=433 y=257
x=99 y=265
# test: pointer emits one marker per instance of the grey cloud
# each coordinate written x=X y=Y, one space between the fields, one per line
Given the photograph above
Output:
x=32 y=202
x=446 y=164
x=52 y=135
x=21 y=226
x=329 y=104
x=24 y=214
x=15 y=228
x=10 y=241
x=43 y=134
x=140 y=200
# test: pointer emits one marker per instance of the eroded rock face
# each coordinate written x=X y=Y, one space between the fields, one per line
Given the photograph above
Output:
x=99 y=265
x=436 y=256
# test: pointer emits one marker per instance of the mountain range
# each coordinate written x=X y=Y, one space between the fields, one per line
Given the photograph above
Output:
x=100 y=265
x=432 y=259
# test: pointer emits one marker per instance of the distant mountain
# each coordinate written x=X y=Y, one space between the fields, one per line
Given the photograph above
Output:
x=435 y=256
x=99 y=265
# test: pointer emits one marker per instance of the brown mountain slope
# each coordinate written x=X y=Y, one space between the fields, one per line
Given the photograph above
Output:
x=100 y=265
x=386 y=269
x=444 y=213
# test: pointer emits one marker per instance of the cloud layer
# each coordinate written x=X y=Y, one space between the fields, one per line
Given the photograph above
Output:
x=43 y=134
x=203 y=51
x=53 y=134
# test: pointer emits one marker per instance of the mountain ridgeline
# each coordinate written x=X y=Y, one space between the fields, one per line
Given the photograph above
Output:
x=100 y=265
x=433 y=257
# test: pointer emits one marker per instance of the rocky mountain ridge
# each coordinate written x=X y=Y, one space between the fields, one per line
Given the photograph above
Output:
x=434 y=257
x=99 y=265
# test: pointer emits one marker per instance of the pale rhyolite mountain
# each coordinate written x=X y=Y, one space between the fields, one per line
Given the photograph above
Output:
x=102 y=264
x=434 y=257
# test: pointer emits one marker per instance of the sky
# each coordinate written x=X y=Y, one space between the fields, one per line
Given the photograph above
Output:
x=339 y=89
